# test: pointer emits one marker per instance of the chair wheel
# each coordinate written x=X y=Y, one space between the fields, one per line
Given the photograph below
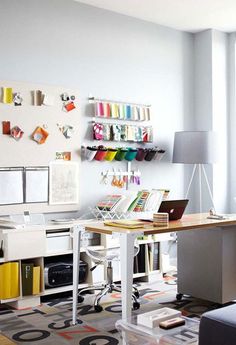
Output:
x=80 y=299
x=136 y=305
x=179 y=296
x=136 y=294
x=98 y=308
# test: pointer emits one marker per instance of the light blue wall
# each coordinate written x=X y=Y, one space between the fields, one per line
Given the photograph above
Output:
x=66 y=43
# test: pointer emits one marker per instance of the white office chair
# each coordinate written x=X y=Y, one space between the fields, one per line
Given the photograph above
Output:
x=106 y=256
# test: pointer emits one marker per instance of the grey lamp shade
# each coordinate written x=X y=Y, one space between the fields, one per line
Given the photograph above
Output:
x=196 y=147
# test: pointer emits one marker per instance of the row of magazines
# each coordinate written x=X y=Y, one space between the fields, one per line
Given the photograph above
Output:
x=133 y=201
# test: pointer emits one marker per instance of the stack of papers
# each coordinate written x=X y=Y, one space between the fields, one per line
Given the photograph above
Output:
x=63 y=220
x=161 y=219
x=128 y=224
x=8 y=224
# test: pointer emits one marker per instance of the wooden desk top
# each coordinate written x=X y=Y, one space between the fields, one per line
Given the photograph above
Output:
x=187 y=222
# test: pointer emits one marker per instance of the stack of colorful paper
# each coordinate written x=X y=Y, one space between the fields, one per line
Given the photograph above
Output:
x=160 y=219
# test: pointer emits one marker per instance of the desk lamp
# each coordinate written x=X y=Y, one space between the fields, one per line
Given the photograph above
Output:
x=198 y=148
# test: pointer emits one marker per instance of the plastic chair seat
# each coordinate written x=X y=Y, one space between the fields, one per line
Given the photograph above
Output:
x=107 y=254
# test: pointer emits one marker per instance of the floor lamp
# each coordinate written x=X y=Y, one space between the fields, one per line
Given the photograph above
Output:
x=198 y=148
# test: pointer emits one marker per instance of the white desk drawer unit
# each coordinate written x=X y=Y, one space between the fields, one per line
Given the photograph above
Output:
x=23 y=245
x=58 y=242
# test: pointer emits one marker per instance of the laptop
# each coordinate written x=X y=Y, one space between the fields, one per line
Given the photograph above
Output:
x=175 y=208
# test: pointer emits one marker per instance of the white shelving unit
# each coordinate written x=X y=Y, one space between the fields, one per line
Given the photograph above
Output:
x=111 y=241
x=33 y=247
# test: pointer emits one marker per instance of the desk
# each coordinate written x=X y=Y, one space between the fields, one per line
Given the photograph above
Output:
x=197 y=222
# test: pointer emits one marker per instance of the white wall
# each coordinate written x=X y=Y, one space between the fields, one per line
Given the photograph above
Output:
x=113 y=56
x=203 y=80
x=220 y=119
x=211 y=110
x=232 y=123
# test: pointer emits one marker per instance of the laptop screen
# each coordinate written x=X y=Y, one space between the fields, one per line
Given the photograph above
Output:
x=175 y=208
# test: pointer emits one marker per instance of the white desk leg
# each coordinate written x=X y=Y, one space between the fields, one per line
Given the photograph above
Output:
x=76 y=259
x=126 y=263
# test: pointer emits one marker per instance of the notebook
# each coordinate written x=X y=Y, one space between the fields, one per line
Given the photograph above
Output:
x=175 y=208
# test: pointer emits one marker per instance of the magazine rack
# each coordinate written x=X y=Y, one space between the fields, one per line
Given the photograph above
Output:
x=104 y=215
x=141 y=205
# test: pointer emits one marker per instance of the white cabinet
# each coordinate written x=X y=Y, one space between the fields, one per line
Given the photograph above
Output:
x=206 y=263
x=40 y=245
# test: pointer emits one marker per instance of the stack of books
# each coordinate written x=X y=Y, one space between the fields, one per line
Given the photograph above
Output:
x=160 y=219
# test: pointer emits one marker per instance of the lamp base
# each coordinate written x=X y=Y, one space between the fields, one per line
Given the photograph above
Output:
x=201 y=171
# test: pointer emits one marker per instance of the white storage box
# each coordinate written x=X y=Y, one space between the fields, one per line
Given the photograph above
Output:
x=134 y=334
x=58 y=242
x=23 y=244
x=153 y=318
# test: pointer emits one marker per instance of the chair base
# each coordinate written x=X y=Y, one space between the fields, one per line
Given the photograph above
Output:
x=105 y=289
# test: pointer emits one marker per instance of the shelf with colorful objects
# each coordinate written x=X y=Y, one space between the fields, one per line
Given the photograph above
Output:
x=103 y=153
x=107 y=114
x=120 y=110
x=122 y=132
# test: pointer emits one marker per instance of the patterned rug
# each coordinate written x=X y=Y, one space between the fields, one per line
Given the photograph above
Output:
x=50 y=323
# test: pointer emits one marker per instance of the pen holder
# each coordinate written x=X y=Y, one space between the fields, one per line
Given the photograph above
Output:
x=110 y=154
x=101 y=153
x=159 y=155
x=141 y=154
x=120 y=155
x=150 y=154
x=161 y=219
x=131 y=154
x=90 y=152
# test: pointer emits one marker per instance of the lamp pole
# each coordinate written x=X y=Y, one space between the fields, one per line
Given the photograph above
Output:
x=201 y=169
x=200 y=186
